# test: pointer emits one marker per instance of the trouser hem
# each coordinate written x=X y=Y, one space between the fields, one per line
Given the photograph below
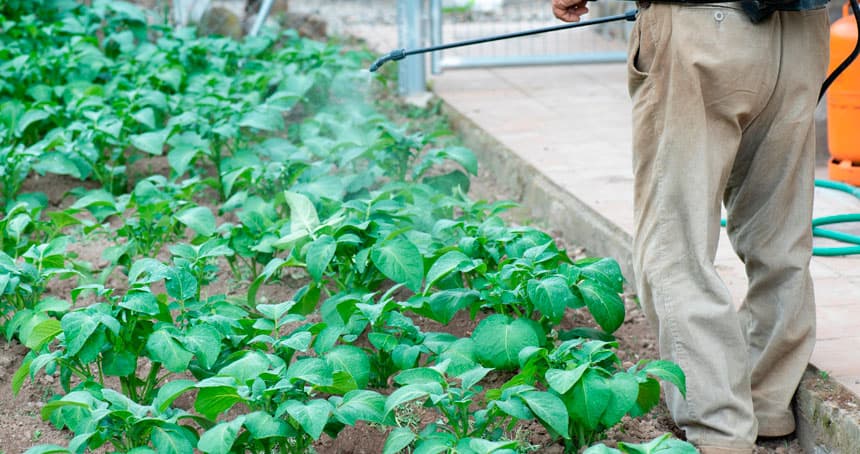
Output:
x=776 y=426
x=716 y=449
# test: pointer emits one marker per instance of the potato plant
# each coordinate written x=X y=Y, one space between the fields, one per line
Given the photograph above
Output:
x=275 y=172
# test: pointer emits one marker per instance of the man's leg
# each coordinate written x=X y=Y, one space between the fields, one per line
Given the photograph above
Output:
x=769 y=200
x=698 y=76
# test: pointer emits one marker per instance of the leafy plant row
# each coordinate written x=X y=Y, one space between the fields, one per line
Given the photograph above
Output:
x=305 y=181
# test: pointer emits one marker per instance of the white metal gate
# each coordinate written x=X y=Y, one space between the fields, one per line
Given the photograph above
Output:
x=458 y=20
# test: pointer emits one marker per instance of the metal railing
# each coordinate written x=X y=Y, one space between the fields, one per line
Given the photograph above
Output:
x=476 y=18
x=389 y=24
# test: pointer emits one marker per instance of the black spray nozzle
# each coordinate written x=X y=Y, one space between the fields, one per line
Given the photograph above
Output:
x=398 y=54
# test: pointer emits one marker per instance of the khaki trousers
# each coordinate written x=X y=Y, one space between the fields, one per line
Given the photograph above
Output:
x=723 y=113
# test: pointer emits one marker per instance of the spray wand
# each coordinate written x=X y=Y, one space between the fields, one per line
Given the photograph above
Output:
x=400 y=54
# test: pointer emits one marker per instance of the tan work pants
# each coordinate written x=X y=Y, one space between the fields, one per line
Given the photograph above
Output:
x=723 y=113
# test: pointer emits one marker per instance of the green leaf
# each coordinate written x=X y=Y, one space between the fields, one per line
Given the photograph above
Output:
x=481 y=446
x=319 y=256
x=589 y=399
x=601 y=449
x=586 y=333
x=214 y=400
x=247 y=367
x=648 y=397
x=499 y=339
x=551 y=296
x=169 y=392
x=274 y=312
x=78 y=327
x=515 y=407
x=449 y=182
x=384 y=342
x=562 y=380
x=445 y=265
x=220 y=439
x=303 y=214
x=181 y=284
x=663 y=444
x=624 y=390
x=604 y=303
x=57 y=163
x=142 y=302
x=298 y=341
x=398 y=440
x=361 y=405
x=74 y=409
x=199 y=219
x=420 y=375
x=401 y=261
x=549 y=409
x=460 y=356
x=171 y=439
x=607 y=272
x=463 y=156
x=405 y=356
x=409 y=393
x=30 y=117
x=471 y=377
x=20 y=376
x=312 y=417
x=172 y=77
x=146 y=271
x=164 y=348
x=315 y=371
x=264 y=117
x=350 y=359
x=119 y=363
x=263 y=425
x=667 y=371
x=179 y=158
x=151 y=142
x=204 y=342
x=146 y=117
x=111 y=126
x=48 y=449
x=141 y=450
x=43 y=333
x=443 y=305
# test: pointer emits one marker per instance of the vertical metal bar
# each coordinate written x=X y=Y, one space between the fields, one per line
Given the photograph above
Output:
x=412 y=77
x=261 y=17
x=436 y=35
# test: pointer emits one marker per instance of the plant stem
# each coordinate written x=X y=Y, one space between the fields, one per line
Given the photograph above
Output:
x=151 y=380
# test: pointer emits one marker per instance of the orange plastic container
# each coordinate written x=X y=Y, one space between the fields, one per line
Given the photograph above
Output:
x=843 y=104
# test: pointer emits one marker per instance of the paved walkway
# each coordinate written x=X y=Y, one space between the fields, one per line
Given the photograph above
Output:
x=572 y=123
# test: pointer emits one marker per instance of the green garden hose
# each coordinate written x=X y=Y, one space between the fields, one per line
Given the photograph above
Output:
x=836 y=219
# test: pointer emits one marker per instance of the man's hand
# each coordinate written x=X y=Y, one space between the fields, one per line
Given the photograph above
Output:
x=569 y=10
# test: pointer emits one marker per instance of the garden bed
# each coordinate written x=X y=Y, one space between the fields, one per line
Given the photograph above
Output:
x=221 y=246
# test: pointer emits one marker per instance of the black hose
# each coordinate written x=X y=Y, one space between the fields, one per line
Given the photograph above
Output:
x=855 y=9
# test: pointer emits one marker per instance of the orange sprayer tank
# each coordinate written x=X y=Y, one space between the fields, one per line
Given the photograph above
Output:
x=843 y=104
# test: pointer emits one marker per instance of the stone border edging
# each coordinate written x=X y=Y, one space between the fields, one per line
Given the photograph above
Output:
x=822 y=426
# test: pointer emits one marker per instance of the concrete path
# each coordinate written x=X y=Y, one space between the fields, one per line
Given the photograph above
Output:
x=572 y=125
